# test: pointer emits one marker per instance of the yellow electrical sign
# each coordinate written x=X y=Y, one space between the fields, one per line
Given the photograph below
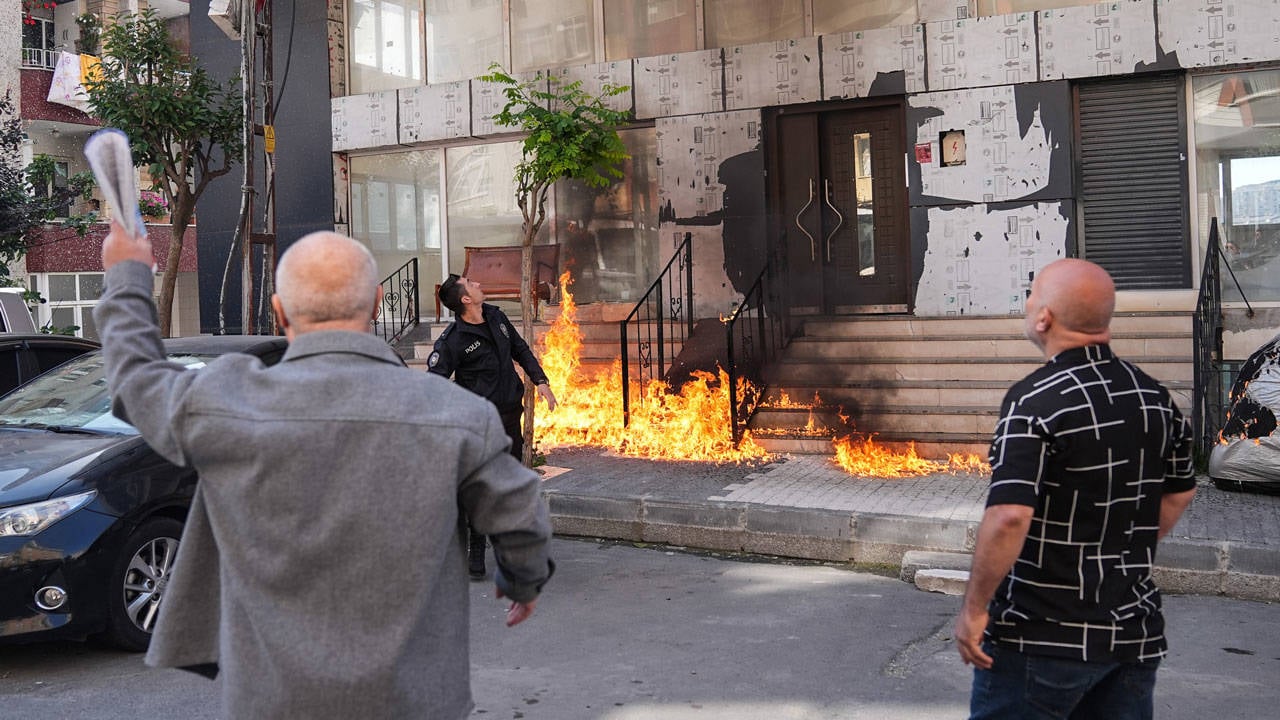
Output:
x=269 y=135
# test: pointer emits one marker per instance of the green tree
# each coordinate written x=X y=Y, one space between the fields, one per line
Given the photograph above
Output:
x=179 y=120
x=21 y=209
x=569 y=135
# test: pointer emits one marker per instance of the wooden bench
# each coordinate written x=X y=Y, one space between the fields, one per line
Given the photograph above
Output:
x=497 y=269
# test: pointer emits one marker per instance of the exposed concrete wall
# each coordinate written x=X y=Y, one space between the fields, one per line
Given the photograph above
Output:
x=711 y=183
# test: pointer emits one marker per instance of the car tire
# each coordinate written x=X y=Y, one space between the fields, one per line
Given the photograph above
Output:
x=138 y=582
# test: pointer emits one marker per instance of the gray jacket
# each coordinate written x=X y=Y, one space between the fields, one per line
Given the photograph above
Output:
x=322 y=565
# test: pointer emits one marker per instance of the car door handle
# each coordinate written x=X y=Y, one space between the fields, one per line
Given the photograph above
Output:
x=813 y=243
x=826 y=186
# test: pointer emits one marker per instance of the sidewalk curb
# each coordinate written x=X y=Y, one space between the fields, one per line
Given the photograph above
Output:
x=1184 y=565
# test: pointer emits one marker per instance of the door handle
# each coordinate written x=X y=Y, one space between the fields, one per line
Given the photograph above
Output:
x=826 y=186
x=813 y=243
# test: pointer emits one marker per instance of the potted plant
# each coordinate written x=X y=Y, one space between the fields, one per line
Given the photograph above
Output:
x=153 y=206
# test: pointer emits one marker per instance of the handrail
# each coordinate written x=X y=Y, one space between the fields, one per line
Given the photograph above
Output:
x=757 y=332
x=400 y=305
x=662 y=320
x=1209 y=409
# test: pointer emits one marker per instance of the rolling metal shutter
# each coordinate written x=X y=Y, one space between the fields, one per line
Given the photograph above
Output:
x=1133 y=180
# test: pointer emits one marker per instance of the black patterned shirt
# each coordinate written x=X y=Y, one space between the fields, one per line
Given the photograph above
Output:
x=1092 y=443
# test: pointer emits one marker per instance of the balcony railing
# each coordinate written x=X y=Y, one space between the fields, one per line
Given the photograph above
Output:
x=39 y=59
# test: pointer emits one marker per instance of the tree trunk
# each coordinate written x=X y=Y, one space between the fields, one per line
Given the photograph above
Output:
x=526 y=328
x=180 y=217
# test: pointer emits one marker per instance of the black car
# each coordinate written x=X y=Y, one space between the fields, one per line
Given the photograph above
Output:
x=90 y=515
x=24 y=356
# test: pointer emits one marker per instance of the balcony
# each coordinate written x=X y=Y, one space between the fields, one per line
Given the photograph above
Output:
x=39 y=59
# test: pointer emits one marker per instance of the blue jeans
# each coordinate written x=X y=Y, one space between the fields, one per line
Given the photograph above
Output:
x=1038 y=687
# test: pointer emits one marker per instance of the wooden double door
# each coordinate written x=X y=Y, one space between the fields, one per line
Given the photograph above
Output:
x=840 y=190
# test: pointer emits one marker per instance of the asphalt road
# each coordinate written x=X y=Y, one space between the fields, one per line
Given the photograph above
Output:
x=626 y=633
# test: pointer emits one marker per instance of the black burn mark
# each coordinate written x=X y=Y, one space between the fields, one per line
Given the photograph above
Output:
x=889 y=83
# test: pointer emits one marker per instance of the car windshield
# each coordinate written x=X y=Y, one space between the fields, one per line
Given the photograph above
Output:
x=73 y=396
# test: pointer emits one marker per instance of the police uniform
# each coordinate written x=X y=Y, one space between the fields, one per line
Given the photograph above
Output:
x=479 y=359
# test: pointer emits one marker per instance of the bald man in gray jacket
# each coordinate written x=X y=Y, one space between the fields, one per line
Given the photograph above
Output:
x=322 y=567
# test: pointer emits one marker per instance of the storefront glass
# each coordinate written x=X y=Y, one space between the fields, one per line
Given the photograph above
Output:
x=385 y=45
x=552 y=33
x=462 y=38
x=643 y=28
x=837 y=16
x=1237 y=135
x=609 y=238
x=1008 y=7
x=731 y=23
x=395 y=210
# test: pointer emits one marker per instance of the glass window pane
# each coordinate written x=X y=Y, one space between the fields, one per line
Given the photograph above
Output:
x=406 y=217
x=384 y=50
x=62 y=288
x=864 y=192
x=1237 y=130
x=395 y=218
x=90 y=286
x=482 y=205
x=609 y=238
x=62 y=317
x=836 y=16
x=463 y=38
x=546 y=35
x=743 y=22
x=642 y=28
x=87 y=327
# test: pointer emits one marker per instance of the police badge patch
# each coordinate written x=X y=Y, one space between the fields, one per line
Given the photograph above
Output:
x=435 y=358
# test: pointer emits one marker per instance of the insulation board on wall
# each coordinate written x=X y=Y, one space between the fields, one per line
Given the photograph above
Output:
x=682 y=84
x=777 y=73
x=488 y=99
x=690 y=151
x=1112 y=38
x=364 y=121
x=1016 y=144
x=1219 y=32
x=998 y=50
x=435 y=112
x=980 y=259
x=885 y=61
x=595 y=76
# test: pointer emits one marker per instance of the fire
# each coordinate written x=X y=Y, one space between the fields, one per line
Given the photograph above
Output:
x=865 y=457
x=692 y=424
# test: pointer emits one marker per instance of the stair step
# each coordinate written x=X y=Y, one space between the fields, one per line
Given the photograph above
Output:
x=935 y=446
x=839 y=371
x=956 y=326
x=882 y=419
x=978 y=347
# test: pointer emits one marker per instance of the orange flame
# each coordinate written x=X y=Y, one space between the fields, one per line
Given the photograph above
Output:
x=868 y=458
x=692 y=424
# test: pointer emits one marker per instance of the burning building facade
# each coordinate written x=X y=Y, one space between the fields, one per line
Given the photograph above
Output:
x=907 y=163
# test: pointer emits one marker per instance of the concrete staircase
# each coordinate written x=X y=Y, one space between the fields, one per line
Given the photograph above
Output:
x=935 y=381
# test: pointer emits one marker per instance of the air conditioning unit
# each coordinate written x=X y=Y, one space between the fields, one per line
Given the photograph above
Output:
x=226 y=14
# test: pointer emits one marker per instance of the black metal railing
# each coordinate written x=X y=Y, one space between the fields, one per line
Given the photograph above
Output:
x=400 y=306
x=758 y=331
x=1210 y=406
x=658 y=325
